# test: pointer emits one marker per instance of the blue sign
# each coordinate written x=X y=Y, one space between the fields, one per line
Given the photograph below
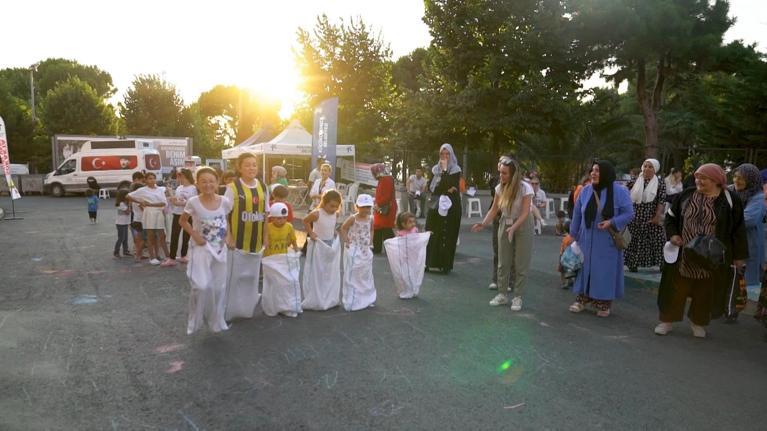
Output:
x=325 y=132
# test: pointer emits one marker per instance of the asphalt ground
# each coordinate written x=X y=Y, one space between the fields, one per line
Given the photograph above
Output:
x=89 y=342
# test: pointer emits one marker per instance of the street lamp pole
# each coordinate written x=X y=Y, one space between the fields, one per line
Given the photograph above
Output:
x=32 y=70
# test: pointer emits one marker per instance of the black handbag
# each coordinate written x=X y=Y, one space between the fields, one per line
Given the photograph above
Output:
x=705 y=251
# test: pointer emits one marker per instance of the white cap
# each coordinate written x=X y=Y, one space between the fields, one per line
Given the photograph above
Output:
x=278 y=209
x=365 y=200
x=670 y=252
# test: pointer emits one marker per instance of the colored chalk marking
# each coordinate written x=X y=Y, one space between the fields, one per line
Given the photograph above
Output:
x=175 y=366
x=168 y=348
x=84 y=300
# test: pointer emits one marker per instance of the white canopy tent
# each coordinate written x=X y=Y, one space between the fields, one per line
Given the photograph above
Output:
x=294 y=141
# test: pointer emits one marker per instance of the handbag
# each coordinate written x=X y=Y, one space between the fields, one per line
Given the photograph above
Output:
x=705 y=251
x=622 y=238
x=384 y=209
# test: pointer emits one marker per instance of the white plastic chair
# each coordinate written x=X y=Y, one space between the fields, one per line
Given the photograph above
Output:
x=550 y=207
x=475 y=207
x=103 y=194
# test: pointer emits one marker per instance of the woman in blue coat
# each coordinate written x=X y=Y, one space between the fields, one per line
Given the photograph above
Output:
x=602 y=205
x=747 y=184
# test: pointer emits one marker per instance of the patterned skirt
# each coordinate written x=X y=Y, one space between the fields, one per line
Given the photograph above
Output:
x=647 y=239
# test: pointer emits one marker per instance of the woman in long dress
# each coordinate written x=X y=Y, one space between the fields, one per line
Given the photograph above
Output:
x=444 y=216
x=648 y=194
x=385 y=211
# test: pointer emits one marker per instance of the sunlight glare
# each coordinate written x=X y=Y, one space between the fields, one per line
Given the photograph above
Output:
x=273 y=83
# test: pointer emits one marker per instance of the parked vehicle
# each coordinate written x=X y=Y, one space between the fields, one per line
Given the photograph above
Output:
x=111 y=168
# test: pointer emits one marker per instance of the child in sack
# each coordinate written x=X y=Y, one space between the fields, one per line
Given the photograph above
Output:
x=359 y=290
x=282 y=290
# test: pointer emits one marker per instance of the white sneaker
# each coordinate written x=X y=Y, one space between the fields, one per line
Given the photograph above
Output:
x=154 y=262
x=516 y=303
x=500 y=299
x=698 y=331
x=493 y=286
x=663 y=328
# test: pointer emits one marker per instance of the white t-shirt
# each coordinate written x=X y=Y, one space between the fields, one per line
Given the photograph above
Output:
x=525 y=190
x=540 y=197
x=316 y=190
x=123 y=214
x=416 y=184
x=185 y=193
x=210 y=224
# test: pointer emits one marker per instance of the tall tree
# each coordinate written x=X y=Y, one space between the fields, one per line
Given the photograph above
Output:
x=74 y=107
x=153 y=106
x=650 y=42
x=348 y=61
x=237 y=113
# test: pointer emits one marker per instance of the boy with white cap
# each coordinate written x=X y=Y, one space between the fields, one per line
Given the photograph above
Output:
x=281 y=266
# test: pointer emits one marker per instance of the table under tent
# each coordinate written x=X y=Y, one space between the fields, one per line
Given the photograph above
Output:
x=292 y=148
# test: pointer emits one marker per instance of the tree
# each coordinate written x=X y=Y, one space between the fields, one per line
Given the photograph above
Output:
x=20 y=128
x=652 y=41
x=152 y=106
x=346 y=60
x=73 y=107
x=237 y=113
x=54 y=70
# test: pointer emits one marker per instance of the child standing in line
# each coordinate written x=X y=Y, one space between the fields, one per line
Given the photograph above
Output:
x=122 y=221
x=206 y=270
x=152 y=200
x=282 y=290
x=406 y=224
x=321 y=223
x=137 y=229
x=93 y=204
x=359 y=291
x=185 y=190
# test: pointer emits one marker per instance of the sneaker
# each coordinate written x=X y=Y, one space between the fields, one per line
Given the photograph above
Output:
x=516 y=303
x=663 y=328
x=500 y=299
x=493 y=286
x=698 y=331
x=168 y=262
x=154 y=262
x=577 y=307
x=182 y=260
x=291 y=314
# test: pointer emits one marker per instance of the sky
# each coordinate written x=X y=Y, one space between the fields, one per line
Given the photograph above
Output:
x=196 y=45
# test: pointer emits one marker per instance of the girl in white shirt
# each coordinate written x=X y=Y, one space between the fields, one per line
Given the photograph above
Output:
x=204 y=219
x=152 y=200
x=185 y=191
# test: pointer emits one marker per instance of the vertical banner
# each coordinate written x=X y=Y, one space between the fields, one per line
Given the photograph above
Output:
x=325 y=132
x=7 y=161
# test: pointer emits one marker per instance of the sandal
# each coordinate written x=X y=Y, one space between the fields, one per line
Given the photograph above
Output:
x=577 y=307
x=603 y=313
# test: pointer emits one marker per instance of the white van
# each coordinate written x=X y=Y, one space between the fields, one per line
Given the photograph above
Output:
x=110 y=167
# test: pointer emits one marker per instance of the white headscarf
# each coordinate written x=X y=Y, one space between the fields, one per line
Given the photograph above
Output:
x=452 y=166
x=640 y=193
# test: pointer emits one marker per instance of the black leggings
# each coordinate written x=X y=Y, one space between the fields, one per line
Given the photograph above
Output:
x=175 y=230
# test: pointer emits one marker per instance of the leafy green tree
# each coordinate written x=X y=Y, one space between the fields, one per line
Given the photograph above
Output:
x=237 y=113
x=348 y=61
x=73 y=107
x=20 y=128
x=652 y=41
x=52 y=71
x=153 y=106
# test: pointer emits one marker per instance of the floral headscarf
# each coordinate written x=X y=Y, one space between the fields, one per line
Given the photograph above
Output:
x=753 y=178
x=378 y=169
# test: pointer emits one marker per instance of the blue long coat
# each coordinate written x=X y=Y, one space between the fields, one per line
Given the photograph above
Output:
x=602 y=274
x=753 y=215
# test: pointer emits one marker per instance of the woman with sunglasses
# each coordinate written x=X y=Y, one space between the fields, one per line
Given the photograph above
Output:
x=602 y=206
x=513 y=198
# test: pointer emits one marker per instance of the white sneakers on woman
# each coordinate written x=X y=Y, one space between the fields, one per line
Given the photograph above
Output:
x=503 y=299
x=663 y=328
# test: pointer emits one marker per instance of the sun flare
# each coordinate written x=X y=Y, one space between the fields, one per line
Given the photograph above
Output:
x=279 y=85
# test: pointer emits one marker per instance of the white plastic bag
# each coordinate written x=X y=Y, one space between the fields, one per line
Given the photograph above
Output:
x=242 y=284
x=282 y=288
x=407 y=259
x=322 y=275
x=206 y=272
x=359 y=290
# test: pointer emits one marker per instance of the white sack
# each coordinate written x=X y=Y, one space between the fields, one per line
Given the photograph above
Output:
x=407 y=259
x=282 y=288
x=242 y=284
x=207 y=300
x=322 y=275
x=359 y=290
